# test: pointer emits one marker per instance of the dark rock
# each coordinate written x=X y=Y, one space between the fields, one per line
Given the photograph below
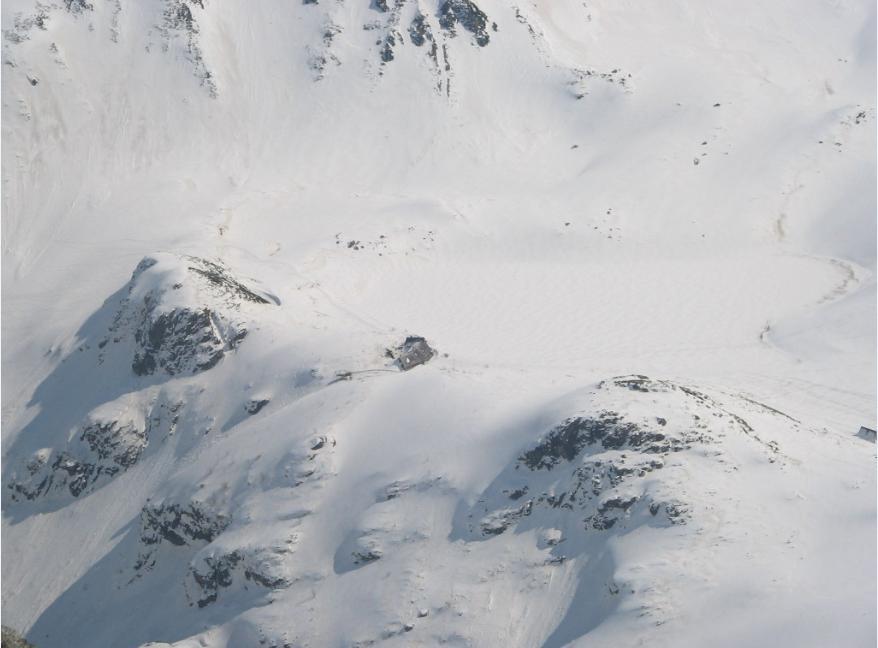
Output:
x=107 y=448
x=617 y=503
x=266 y=580
x=866 y=433
x=214 y=574
x=499 y=521
x=419 y=30
x=635 y=383
x=255 y=406
x=121 y=443
x=182 y=341
x=179 y=22
x=219 y=277
x=178 y=15
x=466 y=14
x=567 y=440
x=78 y=6
x=189 y=525
x=610 y=512
x=364 y=557
x=518 y=493
x=386 y=51
x=181 y=525
x=320 y=442
x=175 y=337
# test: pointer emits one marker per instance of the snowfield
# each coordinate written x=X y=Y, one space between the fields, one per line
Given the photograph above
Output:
x=638 y=241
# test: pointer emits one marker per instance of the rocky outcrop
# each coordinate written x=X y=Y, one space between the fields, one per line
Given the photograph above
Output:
x=78 y=6
x=223 y=556
x=111 y=440
x=183 y=313
x=609 y=431
x=101 y=449
x=196 y=525
x=466 y=14
x=604 y=467
x=193 y=524
x=180 y=525
x=212 y=571
x=255 y=405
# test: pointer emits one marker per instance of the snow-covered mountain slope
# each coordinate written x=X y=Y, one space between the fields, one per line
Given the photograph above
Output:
x=638 y=242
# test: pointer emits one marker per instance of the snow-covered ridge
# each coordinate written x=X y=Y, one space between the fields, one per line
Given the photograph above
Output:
x=177 y=315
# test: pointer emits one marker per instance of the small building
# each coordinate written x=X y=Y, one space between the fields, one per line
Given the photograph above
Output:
x=412 y=352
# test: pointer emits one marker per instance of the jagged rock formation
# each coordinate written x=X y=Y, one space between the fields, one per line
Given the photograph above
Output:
x=184 y=314
x=255 y=405
x=222 y=556
x=101 y=449
x=213 y=571
x=180 y=524
x=179 y=25
x=600 y=466
x=466 y=14
x=197 y=525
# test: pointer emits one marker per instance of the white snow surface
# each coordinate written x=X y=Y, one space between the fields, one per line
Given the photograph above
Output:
x=681 y=193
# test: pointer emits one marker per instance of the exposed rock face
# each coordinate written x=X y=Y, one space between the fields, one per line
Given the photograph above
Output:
x=224 y=556
x=101 y=449
x=195 y=525
x=213 y=574
x=254 y=406
x=184 y=340
x=185 y=314
x=419 y=30
x=210 y=572
x=78 y=6
x=609 y=431
x=180 y=524
x=600 y=467
x=466 y=14
x=179 y=25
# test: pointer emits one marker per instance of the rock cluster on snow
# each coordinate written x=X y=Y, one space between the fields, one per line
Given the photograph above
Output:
x=101 y=449
x=595 y=466
x=466 y=14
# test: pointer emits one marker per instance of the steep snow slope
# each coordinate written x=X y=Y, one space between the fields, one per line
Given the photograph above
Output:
x=641 y=240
